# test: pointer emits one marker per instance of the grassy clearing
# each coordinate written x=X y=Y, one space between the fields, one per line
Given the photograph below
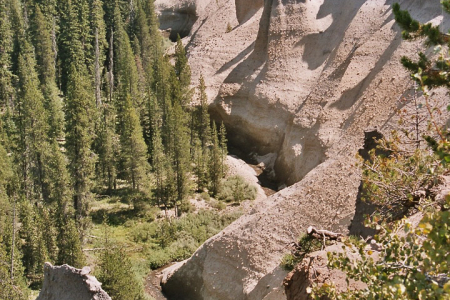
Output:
x=150 y=240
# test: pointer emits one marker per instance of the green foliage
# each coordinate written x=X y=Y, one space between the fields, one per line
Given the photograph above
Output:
x=179 y=238
x=79 y=139
x=229 y=28
x=399 y=183
x=116 y=275
x=235 y=189
x=69 y=244
x=306 y=244
x=423 y=71
x=413 y=265
x=89 y=101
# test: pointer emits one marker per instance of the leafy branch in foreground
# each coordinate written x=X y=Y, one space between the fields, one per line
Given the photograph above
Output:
x=413 y=262
x=399 y=183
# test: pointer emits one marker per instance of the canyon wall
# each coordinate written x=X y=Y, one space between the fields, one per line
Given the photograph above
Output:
x=301 y=79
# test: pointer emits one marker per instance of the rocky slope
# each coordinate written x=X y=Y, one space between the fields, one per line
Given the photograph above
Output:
x=302 y=80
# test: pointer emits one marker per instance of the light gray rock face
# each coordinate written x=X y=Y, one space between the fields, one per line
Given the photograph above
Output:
x=245 y=9
x=300 y=79
x=68 y=283
x=178 y=16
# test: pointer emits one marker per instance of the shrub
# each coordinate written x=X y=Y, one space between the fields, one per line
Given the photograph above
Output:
x=205 y=196
x=218 y=204
x=235 y=189
x=179 y=238
x=306 y=244
x=229 y=28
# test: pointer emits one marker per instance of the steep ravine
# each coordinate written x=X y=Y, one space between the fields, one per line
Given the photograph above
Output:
x=301 y=80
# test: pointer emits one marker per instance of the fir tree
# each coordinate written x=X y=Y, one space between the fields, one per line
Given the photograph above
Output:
x=126 y=74
x=182 y=68
x=203 y=122
x=46 y=66
x=108 y=147
x=116 y=275
x=181 y=153
x=6 y=39
x=223 y=146
x=133 y=148
x=159 y=164
x=33 y=127
x=215 y=167
x=98 y=31
x=79 y=139
x=69 y=244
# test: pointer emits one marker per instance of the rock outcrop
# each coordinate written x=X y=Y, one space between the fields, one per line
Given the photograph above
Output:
x=301 y=79
x=313 y=270
x=67 y=283
x=178 y=16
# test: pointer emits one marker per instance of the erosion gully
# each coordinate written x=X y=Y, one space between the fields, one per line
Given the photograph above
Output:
x=268 y=184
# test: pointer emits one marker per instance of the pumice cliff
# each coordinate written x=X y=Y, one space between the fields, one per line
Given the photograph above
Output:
x=302 y=80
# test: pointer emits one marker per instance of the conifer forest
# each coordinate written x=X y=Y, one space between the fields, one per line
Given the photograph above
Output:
x=98 y=139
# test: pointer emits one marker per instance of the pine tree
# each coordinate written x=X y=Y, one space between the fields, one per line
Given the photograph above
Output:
x=35 y=253
x=181 y=153
x=75 y=40
x=69 y=244
x=33 y=127
x=181 y=91
x=134 y=165
x=201 y=165
x=159 y=164
x=126 y=74
x=12 y=284
x=223 y=146
x=203 y=120
x=108 y=147
x=79 y=139
x=215 y=168
x=133 y=148
x=98 y=31
x=142 y=32
x=6 y=42
x=46 y=66
x=182 y=68
x=116 y=275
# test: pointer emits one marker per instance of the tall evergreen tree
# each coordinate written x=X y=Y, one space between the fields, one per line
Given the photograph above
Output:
x=181 y=153
x=33 y=127
x=115 y=269
x=125 y=66
x=203 y=119
x=133 y=148
x=6 y=38
x=74 y=41
x=79 y=139
x=46 y=66
x=215 y=162
x=128 y=101
x=98 y=31
x=223 y=146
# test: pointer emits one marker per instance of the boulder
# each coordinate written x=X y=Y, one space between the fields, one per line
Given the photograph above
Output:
x=68 y=283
